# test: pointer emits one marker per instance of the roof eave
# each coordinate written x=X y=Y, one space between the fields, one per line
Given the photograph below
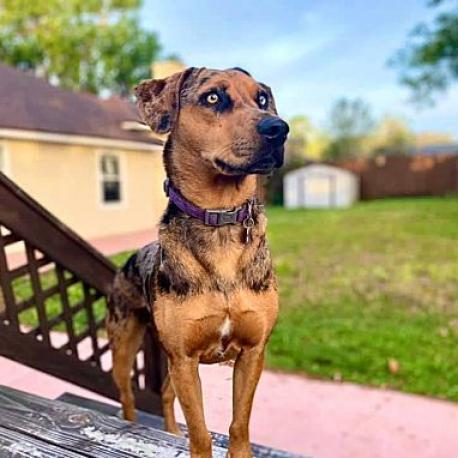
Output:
x=84 y=140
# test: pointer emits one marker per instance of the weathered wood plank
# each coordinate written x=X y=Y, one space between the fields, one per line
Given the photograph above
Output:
x=90 y=433
x=17 y=445
x=157 y=422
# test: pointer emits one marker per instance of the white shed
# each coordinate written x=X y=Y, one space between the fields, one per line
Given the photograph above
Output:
x=320 y=186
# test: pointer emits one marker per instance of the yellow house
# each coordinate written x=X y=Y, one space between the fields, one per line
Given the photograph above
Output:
x=87 y=160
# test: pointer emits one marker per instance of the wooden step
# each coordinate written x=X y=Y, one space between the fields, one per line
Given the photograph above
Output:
x=156 y=422
x=31 y=426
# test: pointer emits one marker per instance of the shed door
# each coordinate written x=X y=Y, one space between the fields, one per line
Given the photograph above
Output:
x=318 y=191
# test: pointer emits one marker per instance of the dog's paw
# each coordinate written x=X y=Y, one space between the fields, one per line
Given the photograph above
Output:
x=176 y=431
x=240 y=452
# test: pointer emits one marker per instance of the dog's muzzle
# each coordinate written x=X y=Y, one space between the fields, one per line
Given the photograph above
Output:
x=274 y=132
x=270 y=155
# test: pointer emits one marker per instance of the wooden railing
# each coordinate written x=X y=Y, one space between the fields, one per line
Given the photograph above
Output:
x=53 y=302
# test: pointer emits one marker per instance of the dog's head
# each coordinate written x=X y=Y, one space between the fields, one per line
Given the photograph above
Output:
x=225 y=117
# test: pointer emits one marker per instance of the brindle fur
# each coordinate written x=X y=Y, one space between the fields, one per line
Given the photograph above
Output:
x=201 y=276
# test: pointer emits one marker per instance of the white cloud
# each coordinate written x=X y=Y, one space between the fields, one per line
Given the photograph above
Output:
x=275 y=53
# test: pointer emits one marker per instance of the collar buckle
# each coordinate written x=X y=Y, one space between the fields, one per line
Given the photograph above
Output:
x=221 y=217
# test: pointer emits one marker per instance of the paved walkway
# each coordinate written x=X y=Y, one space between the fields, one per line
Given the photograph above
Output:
x=315 y=418
x=108 y=245
x=113 y=244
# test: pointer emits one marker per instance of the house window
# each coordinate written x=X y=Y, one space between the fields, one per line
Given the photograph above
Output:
x=111 y=178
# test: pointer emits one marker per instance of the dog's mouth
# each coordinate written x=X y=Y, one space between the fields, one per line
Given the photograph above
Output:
x=262 y=165
x=229 y=169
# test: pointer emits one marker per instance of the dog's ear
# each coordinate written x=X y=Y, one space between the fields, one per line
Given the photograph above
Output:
x=159 y=100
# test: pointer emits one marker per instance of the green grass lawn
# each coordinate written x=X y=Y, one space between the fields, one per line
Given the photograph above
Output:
x=367 y=288
x=368 y=294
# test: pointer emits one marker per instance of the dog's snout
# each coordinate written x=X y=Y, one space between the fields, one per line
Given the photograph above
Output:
x=273 y=129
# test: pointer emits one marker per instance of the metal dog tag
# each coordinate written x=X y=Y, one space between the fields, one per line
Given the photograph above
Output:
x=248 y=225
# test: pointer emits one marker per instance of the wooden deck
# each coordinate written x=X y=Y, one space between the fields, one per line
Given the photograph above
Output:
x=31 y=426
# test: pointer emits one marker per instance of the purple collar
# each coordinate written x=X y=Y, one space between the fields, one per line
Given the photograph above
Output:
x=240 y=215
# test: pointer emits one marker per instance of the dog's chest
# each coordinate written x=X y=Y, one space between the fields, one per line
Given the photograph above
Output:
x=225 y=260
x=237 y=321
x=221 y=342
x=225 y=346
x=216 y=325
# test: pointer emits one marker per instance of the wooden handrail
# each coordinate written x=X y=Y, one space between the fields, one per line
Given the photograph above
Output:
x=26 y=217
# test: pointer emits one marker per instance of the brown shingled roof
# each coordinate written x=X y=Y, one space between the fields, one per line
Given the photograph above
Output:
x=30 y=103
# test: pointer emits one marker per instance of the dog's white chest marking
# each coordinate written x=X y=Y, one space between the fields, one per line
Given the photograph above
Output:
x=225 y=328
x=225 y=332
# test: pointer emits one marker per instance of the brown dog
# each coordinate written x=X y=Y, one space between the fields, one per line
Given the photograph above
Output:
x=208 y=282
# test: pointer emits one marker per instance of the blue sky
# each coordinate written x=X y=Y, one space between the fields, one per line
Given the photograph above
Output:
x=309 y=52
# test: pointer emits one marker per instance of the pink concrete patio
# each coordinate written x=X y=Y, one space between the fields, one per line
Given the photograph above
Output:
x=316 y=418
x=108 y=245
x=113 y=244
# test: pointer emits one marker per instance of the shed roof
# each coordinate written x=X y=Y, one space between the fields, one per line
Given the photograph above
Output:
x=31 y=103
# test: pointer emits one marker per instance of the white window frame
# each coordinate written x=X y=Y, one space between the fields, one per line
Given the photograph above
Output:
x=122 y=203
x=5 y=159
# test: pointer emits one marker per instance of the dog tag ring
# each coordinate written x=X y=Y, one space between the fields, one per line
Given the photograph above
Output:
x=248 y=224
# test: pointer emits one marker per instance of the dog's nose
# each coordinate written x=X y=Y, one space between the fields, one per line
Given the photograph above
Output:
x=273 y=129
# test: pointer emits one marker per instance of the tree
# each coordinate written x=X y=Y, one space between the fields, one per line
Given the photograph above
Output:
x=351 y=123
x=429 y=61
x=391 y=136
x=296 y=146
x=433 y=138
x=90 y=45
x=304 y=140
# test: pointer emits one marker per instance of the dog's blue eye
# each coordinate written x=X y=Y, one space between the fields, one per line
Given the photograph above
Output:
x=262 y=101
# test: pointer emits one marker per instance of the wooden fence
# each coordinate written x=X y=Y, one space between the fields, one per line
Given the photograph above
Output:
x=397 y=176
x=52 y=307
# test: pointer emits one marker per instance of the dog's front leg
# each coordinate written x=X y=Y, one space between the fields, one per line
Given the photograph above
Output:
x=184 y=373
x=247 y=370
